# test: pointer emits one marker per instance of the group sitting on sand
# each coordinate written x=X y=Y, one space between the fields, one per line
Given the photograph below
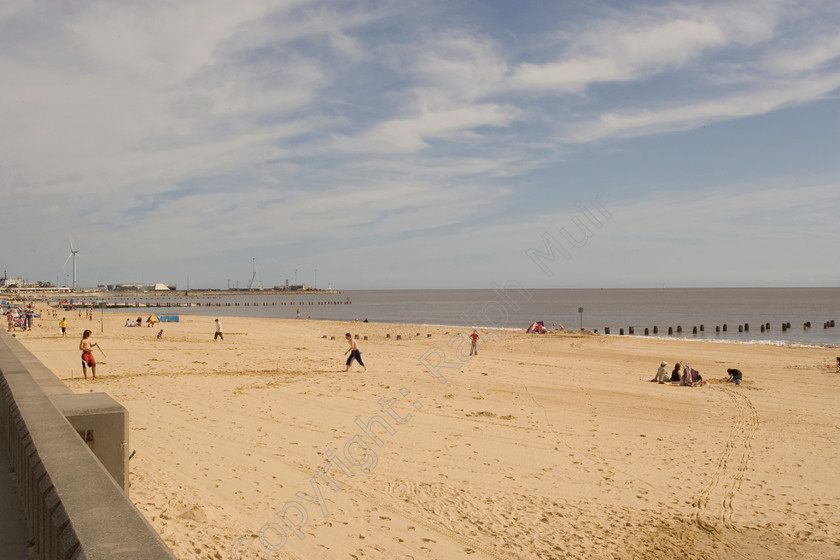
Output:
x=689 y=377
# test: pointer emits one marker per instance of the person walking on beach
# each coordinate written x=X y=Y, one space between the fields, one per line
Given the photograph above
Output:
x=218 y=331
x=474 y=343
x=62 y=325
x=86 y=346
x=355 y=353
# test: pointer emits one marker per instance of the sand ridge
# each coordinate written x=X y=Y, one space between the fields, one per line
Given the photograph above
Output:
x=542 y=446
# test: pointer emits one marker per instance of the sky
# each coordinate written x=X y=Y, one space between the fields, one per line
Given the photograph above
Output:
x=421 y=145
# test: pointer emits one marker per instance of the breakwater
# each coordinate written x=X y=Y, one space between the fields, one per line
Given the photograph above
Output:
x=718 y=329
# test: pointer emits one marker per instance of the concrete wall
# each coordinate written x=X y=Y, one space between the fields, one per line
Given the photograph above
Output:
x=100 y=420
x=102 y=423
x=74 y=507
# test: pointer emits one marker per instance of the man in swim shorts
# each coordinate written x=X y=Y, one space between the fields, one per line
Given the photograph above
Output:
x=355 y=354
x=88 y=361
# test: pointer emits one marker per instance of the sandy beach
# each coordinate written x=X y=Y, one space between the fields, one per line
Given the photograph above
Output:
x=540 y=447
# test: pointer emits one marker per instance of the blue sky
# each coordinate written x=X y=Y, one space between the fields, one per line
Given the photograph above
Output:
x=422 y=144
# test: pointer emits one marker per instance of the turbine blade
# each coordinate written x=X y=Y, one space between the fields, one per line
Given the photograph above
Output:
x=67 y=261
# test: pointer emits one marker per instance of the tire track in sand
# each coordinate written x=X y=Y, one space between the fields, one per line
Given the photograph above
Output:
x=728 y=474
x=748 y=416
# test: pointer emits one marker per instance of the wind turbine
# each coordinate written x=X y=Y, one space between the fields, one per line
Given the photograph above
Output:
x=73 y=253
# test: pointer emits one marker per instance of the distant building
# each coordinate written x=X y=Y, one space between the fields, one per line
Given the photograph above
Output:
x=130 y=288
x=18 y=286
x=158 y=287
x=292 y=288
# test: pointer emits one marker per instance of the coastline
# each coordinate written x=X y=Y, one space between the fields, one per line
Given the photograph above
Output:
x=797 y=315
x=541 y=445
x=760 y=342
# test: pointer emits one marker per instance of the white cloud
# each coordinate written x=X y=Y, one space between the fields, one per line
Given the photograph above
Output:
x=413 y=133
x=769 y=97
x=213 y=223
x=625 y=49
x=811 y=54
x=164 y=44
x=145 y=100
x=458 y=67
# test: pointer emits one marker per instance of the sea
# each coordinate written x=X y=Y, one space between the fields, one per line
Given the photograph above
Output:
x=753 y=315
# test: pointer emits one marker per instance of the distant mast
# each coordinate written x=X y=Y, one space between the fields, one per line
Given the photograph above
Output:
x=255 y=277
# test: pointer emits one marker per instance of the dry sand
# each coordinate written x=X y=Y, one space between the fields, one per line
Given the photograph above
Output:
x=543 y=446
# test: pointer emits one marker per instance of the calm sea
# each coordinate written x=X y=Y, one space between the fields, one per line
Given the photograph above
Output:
x=516 y=308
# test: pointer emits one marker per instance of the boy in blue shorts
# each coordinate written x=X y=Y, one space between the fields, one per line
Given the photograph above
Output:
x=355 y=354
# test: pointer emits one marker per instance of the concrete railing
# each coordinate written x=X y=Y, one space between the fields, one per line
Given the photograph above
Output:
x=76 y=508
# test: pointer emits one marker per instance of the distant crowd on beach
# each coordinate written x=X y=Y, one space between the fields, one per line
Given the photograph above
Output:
x=21 y=318
x=150 y=321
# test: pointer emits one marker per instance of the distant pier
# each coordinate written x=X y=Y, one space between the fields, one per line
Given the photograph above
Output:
x=203 y=298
